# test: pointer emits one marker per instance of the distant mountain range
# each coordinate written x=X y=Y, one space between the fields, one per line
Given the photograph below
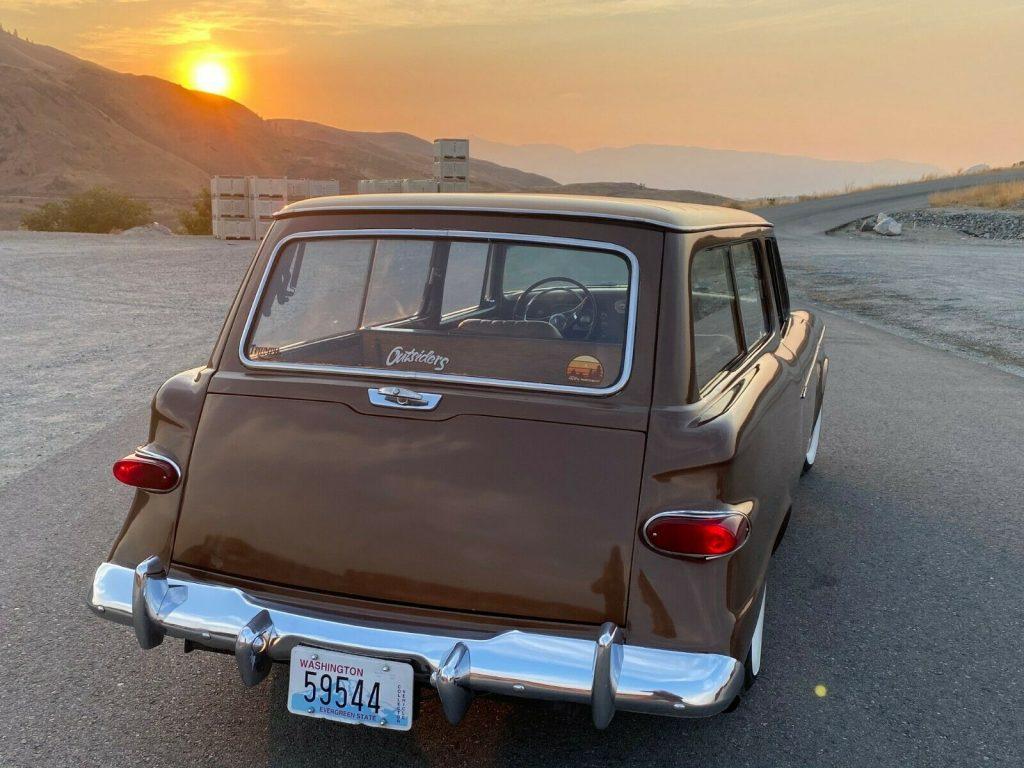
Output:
x=67 y=124
x=730 y=173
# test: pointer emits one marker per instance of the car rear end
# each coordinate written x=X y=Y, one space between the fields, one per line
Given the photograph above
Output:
x=406 y=460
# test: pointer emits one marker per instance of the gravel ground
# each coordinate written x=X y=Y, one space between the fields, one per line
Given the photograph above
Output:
x=956 y=292
x=897 y=588
x=91 y=325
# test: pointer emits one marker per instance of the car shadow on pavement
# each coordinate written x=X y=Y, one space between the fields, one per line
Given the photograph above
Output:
x=496 y=731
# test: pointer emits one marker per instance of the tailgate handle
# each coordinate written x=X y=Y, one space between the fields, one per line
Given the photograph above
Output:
x=399 y=397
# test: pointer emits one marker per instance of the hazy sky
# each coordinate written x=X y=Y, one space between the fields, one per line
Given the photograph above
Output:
x=938 y=81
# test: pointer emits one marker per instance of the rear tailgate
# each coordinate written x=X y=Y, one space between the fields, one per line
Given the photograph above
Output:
x=518 y=502
x=496 y=515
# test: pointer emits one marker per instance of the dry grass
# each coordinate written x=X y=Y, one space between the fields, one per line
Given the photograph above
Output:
x=1008 y=194
x=769 y=202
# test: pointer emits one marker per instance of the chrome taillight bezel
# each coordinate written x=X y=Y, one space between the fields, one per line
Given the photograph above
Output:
x=149 y=456
x=741 y=518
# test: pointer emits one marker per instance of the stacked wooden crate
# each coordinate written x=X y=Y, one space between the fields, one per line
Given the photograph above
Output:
x=451 y=173
x=243 y=206
x=451 y=164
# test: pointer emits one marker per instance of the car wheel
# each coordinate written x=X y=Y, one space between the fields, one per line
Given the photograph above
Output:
x=752 y=665
x=812 y=446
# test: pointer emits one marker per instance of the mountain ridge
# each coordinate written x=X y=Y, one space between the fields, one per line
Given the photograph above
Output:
x=733 y=173
x=67 y=124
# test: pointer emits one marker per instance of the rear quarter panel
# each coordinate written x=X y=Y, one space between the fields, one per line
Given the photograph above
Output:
x=738 y=447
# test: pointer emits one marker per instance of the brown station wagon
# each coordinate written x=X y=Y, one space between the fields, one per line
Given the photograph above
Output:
x=538 y=446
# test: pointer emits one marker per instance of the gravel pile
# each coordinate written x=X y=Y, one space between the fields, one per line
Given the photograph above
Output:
x=990 y=225
x=977 y=222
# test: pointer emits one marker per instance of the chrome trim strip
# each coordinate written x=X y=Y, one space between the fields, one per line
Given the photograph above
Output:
x=627 y=354
x=814 y=362
x=605 y=672
x=283 y=214
x=743 y=510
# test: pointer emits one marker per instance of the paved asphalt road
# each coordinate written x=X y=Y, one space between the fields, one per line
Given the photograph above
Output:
x=897 y=588
x=816 y=216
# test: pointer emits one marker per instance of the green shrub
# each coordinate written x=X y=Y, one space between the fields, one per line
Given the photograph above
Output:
x=198 y=220
x=98 y=210
x=48 y=217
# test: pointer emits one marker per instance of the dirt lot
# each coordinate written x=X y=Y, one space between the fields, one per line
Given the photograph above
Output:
x=92 y=324
x=946 y=289
x=906 y=627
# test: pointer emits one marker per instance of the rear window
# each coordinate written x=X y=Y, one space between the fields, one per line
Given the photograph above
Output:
x=495 y=310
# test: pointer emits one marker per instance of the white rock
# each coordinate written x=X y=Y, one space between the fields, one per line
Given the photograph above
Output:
x=889 y=227
x=156 y=228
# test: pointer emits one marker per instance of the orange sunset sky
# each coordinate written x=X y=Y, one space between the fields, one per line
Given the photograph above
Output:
x=927 y=80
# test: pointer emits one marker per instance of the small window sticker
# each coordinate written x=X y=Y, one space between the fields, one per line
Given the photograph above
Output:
x=263 y=353
x=584 y=369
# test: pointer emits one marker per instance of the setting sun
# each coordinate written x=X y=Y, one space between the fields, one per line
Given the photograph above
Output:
x=210 y=76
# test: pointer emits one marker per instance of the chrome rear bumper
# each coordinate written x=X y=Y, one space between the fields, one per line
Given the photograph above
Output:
x=606 y=673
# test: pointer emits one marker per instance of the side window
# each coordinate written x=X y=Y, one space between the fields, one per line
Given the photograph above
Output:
x=746 y=269
x=778 y=281
x=712 y=299
x=464 y=277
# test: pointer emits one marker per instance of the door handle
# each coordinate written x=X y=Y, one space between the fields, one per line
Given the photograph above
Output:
x=400 y=397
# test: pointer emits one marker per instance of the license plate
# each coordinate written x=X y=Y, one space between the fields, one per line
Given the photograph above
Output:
x=350 y=689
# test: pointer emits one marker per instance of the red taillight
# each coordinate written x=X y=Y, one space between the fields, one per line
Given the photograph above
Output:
x=146 y=472
x=695 y=534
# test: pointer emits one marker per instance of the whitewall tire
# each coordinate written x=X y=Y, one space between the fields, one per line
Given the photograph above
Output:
x=754 y=655
x=812 y=446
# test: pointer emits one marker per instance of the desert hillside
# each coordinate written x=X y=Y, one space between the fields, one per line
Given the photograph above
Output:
x=735 y=174
x=67 y=124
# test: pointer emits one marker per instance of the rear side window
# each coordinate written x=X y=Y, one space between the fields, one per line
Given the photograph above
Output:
x=747 y=271
x=505 y=312
x=728 y=304
x=778 y=281
x=716 y=341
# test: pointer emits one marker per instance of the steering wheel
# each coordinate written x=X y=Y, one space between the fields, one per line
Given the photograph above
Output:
x=562 y=321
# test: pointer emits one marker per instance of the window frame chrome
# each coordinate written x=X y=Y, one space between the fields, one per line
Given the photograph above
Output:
x=628 y=347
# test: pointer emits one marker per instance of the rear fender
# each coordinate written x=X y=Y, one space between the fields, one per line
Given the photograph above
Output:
x=149 y=527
